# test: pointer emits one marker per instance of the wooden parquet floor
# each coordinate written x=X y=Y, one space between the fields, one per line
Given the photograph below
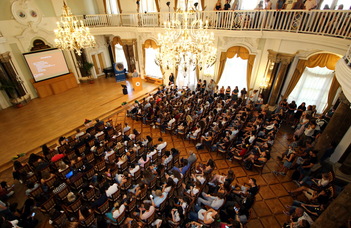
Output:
x=270 y=201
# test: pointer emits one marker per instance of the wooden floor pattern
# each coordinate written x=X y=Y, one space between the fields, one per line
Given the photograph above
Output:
x=270 y=201
x=46 y=119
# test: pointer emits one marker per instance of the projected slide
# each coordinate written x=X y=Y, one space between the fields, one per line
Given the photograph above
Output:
x=46 y=64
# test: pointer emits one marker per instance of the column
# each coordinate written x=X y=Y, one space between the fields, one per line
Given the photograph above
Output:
x=338 y=212
x=337 y=127
x=270 y=71
x=285 y=60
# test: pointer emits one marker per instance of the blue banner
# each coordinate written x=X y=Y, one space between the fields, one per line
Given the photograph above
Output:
x=119 y=74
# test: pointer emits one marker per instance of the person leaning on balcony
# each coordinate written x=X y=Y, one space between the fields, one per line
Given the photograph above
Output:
x=310 y=4
x=218 y=5
x=280 y=4
x=289 y=4
x=267 y=5
x=298 y=5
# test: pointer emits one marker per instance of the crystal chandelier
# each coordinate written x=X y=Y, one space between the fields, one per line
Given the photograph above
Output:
x=71 y=34
x=186 y=42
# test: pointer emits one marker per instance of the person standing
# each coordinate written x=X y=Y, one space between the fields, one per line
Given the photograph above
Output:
x=135 y=74
x=171 y=79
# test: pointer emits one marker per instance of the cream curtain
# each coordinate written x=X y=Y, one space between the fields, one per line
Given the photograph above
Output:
x=321 y=60
x=332 y=92
x=116 y=40
x=300 y=67
x=222 y=61
x=250 y=63
x=241 y=52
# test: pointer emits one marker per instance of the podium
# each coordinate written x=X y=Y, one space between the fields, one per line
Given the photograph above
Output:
x=137 y=84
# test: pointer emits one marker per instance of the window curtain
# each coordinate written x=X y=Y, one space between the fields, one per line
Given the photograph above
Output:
x=157 y=5
x=203 y=4
x=150 y=44
x=320 y=60
x=313 y=87
x=222 y=61
x=242 y=53
x=332 y=92
x=116 y=40
x=300 y=67
x=175 y=5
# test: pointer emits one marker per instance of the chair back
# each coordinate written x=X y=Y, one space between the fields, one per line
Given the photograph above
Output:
x=89 y=174
x=60 y=221
x=101 y=137
x=132 y=204
x=82 y=149
x=75 y=206
x=88 y=221
x=103 y=208
x=100 y=151
x=90 y=195
x=115 y=196
x=48 y=205
x=120 y=219
x=36 y=192
x=112 y=158
x=63 y=193
x=142 y=194
x=147 y=164
x=127 y=185
x=123 y=167
x=150 y=219
x=77 y=181
x=91 y=142
x=90 y=157
x=100 y=166
x=136 y=175
x=50 y=182
x=152 y=183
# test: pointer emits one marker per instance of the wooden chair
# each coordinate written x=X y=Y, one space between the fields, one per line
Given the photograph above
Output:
x=60 y=221
x=36 y=192
x=79 y=164
x=115 y=196
x=75 y=206
x=147 y=164
x=141 y=151
x=91 y=142
x=132 y=157
x=150 y=220
x=100 y=166
x=123 y=167
x=70 y=155
x=103 y=208
x=125 y=186
x=81 y=150
x=50 y=182
x=76 y=181
x=64 y=172
x=90 y=195
x=132 y=204
x=136 y=176
x=32 y=178
x=101 y=137
x=62 y=195
x=112 y=158
x=119 y=220
x=90 y=158
x=88 y=221
x=175 y=159
x=152 y=184
x=89 y=174
x=48 y=206
x=142 y=195
x=100 y=151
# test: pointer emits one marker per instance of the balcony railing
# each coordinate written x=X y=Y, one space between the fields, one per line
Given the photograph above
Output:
x=335 y=23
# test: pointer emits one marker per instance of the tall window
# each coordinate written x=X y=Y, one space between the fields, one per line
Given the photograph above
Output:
x=112 y=7
x=186 y=76
x=313 y=87
x=182 y=4
x=120 y=57
x=249 y=5
x=148 y=6
x=234 y=73
x=151 y=68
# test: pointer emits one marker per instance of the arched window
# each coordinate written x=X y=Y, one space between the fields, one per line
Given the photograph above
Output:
x=148 y=6
x=112 y=7
x=120 y=57
x=234 y=73
x=186 y=75
x=313 y=87
x=151 y=68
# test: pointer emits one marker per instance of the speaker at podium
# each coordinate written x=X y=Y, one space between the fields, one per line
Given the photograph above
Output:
x=137 y=84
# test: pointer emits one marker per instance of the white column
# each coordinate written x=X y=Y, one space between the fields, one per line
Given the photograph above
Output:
x=342 y=146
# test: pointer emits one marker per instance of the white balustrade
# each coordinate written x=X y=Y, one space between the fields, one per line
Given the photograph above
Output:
x=336 y=23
